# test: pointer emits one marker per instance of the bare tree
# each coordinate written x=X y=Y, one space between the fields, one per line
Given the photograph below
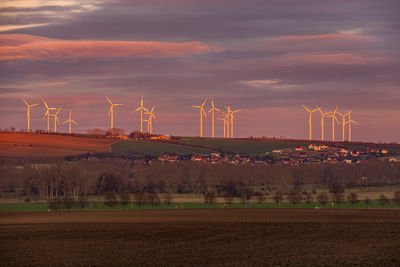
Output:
x=125 y=198
x=246 y=193
x=153 y=199
x=383 y=200
x=140 y=198
x=323 y=199
x=228 y=196
x=261 y=198
x=352 y=198
x=308 y=198
x=278 y=197
x=338 y=198
x=209 y=197
x=168 y=198
x=396 y=197
x=367 y=202
x=110 y=200
x=295 y=196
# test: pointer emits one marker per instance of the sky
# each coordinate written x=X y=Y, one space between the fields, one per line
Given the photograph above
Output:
x=266 y=58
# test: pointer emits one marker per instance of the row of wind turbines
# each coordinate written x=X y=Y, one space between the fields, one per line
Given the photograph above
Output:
x=47 y=115
x=143 y=111
x=226 y=116
x=346 y=119
x=54 y=112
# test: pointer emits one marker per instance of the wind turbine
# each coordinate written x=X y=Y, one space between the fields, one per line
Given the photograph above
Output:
x=111 y=113
x=232 y=117
x=201 y=116
x=310 y=119
x=70 y=121
x=141 y=108
x=213 y=108
x=343 y=122
x=333 y=115
x=322 y=121
x=56 y=119
x=350 y=121
x=47 y=114
x=28 y=112
x=149 y=120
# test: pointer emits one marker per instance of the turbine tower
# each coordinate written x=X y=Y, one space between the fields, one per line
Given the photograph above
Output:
x=56 y=120
x=213 y=108
x=201 y=116
x=141 y=108
x=111 y=113
x=28 y=113
x=149 y=120
x=232 y=117
x=343 y=123
x=322 y=121
x=70 y=121
x=333 y=115
x=47 y=114
x=350 y=121
x=310 y=119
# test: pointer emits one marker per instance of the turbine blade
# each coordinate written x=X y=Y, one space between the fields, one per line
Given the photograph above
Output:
x=45 y=103
x=306 y=108
x=26 y=103
x=204 y=102
x=74 y=122
x=109 y=100
x=33 y=105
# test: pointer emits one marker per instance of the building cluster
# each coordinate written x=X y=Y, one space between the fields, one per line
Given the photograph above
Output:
x=316 y=154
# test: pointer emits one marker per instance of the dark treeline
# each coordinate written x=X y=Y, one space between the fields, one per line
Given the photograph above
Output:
x=78 y=179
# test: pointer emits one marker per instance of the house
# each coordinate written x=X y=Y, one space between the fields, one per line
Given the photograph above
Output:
x=299 y=148
x=160 y=137
x=355 y=153
x=311 y=147
x=384 y=151
x=277 y=151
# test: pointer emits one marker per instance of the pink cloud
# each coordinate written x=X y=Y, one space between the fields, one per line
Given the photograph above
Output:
x=337 y=58
x=322 y=37
x=23 y=46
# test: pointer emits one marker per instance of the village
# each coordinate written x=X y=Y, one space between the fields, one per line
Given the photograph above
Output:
x=313 y=154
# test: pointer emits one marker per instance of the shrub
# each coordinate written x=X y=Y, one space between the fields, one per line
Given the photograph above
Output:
x=110 y=200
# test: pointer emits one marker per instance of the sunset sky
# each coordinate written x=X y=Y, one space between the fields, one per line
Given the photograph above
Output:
x=264 y=57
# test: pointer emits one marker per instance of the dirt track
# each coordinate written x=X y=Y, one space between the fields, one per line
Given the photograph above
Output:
x=201 y=237
x=23 y=145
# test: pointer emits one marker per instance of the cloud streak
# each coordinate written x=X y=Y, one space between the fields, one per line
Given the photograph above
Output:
x=22 y=46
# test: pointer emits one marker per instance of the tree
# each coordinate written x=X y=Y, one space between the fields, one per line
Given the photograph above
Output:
x=396 y=197
x=295 y=196
x=338 y=198
x=125 y=198
x=367 y=201
x=153 y=199
x=261 y=198
x=168 y=198
x=278 y=197
x=68 y=202
x=383 y=200
x=352 y=198
x=246 y=193
x=308 y=198
x=110 y=200
x=228 y=196
x=323 y=199
x=209 y=197
x=140 y=198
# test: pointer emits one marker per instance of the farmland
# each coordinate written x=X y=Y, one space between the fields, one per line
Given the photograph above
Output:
x=241 y=146
x=24 y=145
x=201 y=237
x=156 y=148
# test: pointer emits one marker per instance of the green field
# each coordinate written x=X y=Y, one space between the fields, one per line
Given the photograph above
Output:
x=98 y=205
x=241 y=146
x=155 y=148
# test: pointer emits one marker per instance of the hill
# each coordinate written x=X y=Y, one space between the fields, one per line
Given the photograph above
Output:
x=24 y=145
x=156 y=148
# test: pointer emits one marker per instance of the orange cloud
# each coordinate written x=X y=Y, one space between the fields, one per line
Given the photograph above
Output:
x=24 y=46
x=322 y=37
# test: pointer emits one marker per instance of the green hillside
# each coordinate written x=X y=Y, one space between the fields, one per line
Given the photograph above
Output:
x=155 y=148
x=241 y=146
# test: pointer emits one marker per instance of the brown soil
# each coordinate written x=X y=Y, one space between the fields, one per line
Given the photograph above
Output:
x=234 y=237
x=24 y=145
